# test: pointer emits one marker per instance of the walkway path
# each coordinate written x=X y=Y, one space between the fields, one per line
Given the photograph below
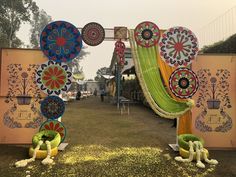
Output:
x=92 y=122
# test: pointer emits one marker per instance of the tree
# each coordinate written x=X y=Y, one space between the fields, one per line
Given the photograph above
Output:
x=12 y=14
x=227 y=46
x=3 y=39
x=100 y=72
x=75 y=67
x=40 y=20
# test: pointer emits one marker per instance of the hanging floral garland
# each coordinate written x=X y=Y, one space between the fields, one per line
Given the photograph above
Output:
x=120 y=51
x=198 y=153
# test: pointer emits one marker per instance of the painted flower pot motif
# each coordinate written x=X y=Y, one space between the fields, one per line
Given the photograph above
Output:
x=213 y=104
x=214 y=101
x=23 y=99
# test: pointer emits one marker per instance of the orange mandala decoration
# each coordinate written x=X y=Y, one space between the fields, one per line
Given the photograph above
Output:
x=53 y=78
x=56 y=126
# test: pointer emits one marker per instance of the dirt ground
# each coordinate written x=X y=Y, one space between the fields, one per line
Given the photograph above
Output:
x=104 y=143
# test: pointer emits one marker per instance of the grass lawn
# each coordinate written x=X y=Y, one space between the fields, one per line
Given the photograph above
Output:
x=104 y=143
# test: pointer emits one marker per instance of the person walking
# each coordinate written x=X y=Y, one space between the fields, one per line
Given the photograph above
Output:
x=95 y=92
x=102 y=95
x=78 y=95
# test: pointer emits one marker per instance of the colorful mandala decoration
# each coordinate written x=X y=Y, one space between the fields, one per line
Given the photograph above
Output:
x=183 y=83
x=56 y=126
x=53 y=78
x=178 y=46
x=147 y=34
x=52 y=107
x=93 y=34
x=120 y=51
x=60 y=41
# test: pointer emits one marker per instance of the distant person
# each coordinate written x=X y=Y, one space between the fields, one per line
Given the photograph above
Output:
x=78 y=95
x=102 y=95
x=95 y=92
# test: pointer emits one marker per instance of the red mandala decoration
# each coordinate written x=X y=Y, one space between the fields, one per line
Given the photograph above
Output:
x=120 y=51
x=147 y=34
x=53 y=78
x=183 y=83
x=178 y=46
x=56 y=126
x=93 y=34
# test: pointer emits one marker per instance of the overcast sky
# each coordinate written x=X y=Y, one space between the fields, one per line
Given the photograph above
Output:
x=193 y=14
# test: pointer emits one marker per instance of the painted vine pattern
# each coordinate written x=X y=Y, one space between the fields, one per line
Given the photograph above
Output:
x=213 y=89
x=22 y=83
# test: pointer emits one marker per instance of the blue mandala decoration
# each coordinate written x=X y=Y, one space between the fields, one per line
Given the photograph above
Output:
x=60 y=41
x=52 y=107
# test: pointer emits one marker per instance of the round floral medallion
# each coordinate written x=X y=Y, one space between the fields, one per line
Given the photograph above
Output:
x=147 y=34
x=53 y=78
x=183 y=83
x=93 y=34
x=60 y=41
x=56 y=126
x=178 y=46
x=52 y=107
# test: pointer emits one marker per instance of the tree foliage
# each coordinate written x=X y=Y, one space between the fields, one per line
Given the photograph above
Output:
x=227 y=46
x=100 y=72
x=75 y=66
x=12 y=14
x=39 y=21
